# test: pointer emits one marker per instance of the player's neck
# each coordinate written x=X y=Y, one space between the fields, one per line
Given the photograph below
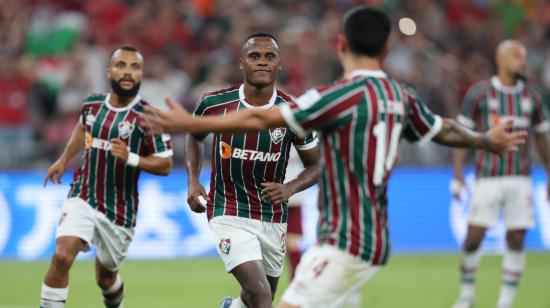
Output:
x=117 y=101
x=353 y=63
x=257 y=96
x=506 y=79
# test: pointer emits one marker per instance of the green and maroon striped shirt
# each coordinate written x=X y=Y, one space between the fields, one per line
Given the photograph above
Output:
x=242 y=162
x=106 y=183
x=489 y=102
x=360 y=122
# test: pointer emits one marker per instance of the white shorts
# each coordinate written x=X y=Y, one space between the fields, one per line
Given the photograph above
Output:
x=240 y=240
x=512 y=194
x=327 y=277
x=79 y=219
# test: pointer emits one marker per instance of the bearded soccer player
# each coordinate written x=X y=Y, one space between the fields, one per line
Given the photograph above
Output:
x=503 y=182
x=247 y=202
x=361 y=120
x=102 y=205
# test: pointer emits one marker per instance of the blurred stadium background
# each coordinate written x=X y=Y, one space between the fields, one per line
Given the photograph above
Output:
x=52 y=53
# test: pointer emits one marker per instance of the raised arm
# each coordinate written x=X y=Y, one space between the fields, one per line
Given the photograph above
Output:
x=73 y=147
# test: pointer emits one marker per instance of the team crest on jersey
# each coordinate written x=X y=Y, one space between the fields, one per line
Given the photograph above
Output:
x=225 y=245
x=90 y=119
x=277 y=134
x=125 y=129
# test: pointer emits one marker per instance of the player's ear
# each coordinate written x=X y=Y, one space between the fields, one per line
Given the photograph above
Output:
x=241 y=66
x=341 y=44
x=108 y=72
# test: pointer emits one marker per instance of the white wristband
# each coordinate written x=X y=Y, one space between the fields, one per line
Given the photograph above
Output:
x=133 y=159
x=456 y=186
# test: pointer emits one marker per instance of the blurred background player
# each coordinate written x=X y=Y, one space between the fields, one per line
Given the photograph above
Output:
x=503 y=181
x=102 y=205
x=361 y=120
x=247 y=202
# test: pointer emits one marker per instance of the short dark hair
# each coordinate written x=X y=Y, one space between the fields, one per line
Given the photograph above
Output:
x=126 y=48
x=367 y=30
x=261 y=34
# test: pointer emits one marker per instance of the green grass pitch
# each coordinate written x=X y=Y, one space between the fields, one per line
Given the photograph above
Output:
x=407 y=281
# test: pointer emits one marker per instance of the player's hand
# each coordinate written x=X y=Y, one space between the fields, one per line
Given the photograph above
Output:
x=194 y=193
x=175 y=120
x=501 y=139
x=456 y=186
x=55 y=172
x=275 y=193
x=119 y=149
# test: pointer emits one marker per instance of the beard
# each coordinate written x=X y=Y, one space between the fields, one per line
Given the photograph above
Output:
x=520 y=77
x=124 y=93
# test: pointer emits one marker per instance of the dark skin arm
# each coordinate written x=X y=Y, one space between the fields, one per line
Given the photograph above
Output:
x=193 y=159
x=276 y=193
x=152 y=164
x=73 y=147
x=543 y=147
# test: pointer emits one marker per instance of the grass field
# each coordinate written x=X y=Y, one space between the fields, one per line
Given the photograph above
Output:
x=407 y=281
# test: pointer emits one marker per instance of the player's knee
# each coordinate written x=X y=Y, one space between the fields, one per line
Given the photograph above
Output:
x=62 y=260
x=471 y=245
x=105 y=280
x=515 y=240
x=258 y=294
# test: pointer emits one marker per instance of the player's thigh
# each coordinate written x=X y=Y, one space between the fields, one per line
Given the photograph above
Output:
x=112 y=242
x=273 y=244
x=518 y=209
x=236 y=240
x=326 y=277
x=485 y=203
x=77 y=221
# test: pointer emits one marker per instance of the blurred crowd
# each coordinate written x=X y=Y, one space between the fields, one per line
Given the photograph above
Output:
x=53 y=53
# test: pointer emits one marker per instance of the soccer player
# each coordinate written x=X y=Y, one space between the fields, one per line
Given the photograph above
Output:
x=504 y=181
x=102 y=204
x=247 y=202
x=361 y=120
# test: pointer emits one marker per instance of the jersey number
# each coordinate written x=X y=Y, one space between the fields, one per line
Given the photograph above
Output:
x=385 y=156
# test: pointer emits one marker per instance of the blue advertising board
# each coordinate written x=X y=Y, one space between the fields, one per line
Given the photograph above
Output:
x=423 y=217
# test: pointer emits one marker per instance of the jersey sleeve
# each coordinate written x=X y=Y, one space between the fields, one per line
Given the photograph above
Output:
x=540 y=117
x=421 y=125
x=470 y=108
x=321 y=111
x=201 y=110
x=158 y=145
x=309 y=142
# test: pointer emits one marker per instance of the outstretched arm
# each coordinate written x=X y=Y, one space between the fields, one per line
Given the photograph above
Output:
x=178 y=120
x=496 y=140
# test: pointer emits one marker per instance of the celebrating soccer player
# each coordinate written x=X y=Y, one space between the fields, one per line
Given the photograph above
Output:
x=103 y=200
x=361 y=120
x=503 y=180
x=247 y=202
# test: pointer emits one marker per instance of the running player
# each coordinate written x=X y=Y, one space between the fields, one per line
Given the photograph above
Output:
x=504 y=181
x=103 y=200
x=361 y=120
x=247 y=202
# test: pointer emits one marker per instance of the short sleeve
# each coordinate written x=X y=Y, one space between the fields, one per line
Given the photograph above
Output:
x=470 y=106
x=201 y=110
x=309 y=142
x=421 y=124
x=322 y=111
x=158 y=145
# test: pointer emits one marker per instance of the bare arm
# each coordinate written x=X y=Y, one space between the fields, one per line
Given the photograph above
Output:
x=193 y=159
x=73 y=147
x=496 y=140
x=543 y=147
x=275 y=193
x=178 y=120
